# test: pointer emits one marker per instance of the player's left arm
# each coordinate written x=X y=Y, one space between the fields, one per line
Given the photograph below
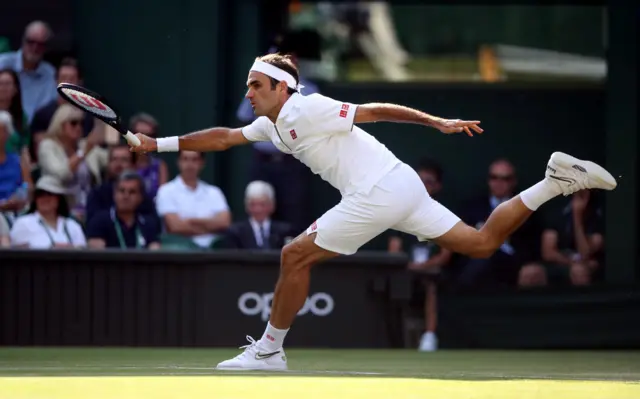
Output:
x=383 y=112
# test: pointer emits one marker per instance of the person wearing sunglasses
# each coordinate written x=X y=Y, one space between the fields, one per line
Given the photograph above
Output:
x=37 y=76
x=515 y=263
x=76 y=162
x=123 y=226
x=47 y=223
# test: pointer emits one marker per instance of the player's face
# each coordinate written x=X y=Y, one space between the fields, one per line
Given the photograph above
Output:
x=262 y=97
x=259 y=208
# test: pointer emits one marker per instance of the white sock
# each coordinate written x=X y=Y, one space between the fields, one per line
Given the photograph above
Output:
x=272 y=339
x=539 y=193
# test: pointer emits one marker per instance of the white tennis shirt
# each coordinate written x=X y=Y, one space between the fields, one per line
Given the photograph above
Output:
x=319 y=131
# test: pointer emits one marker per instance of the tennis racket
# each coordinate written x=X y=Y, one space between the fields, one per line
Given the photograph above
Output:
x=97 y=106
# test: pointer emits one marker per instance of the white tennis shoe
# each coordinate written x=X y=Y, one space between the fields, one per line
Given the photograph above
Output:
x=573 y=174
x=254 y=358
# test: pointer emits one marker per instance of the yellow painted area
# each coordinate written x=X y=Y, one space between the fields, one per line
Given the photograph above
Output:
x=263 y=387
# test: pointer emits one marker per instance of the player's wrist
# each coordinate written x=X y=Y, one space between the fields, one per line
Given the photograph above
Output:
x=168 y=144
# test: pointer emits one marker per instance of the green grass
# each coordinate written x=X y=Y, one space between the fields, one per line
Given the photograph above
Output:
x=96 y=373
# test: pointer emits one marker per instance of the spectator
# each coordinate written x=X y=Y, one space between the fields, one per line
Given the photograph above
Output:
x=124 y=226
x=289 y=177
x=11 y=101
x=515 y=262
x=153 y=170
x=5 y=241
x=47 y=223
x=68 y=72
x=190 y=207
x=427 y=258
x=259 y=231
x=573 y=248
x=101 y=197
x=12 y=176
x=76 y=163
x=37 y=77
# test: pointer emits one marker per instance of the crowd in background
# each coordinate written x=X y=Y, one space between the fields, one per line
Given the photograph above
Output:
x=67 y=181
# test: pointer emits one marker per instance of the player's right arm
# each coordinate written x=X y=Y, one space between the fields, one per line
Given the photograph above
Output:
x=213 y=139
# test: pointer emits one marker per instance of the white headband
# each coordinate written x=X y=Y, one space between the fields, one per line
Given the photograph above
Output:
x=276 y=73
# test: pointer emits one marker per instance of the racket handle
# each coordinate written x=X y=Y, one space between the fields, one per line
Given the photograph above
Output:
x=132 y=139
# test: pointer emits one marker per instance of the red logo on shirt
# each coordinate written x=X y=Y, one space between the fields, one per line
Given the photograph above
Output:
x=293 y=134
x=314 y=226
x=343 y=112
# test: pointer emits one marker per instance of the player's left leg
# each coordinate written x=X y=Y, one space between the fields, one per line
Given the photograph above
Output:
x=564 y=175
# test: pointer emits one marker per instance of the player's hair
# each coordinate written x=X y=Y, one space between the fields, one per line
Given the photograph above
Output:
x=284 y=62
x=431 y=166
x=70 y=62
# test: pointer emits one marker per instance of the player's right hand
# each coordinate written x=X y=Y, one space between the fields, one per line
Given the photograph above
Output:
x=147 y=144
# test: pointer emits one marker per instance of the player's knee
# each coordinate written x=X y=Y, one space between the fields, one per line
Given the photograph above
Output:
x=291 y=257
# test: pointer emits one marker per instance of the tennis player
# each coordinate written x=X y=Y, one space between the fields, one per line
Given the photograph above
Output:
x=379 y=191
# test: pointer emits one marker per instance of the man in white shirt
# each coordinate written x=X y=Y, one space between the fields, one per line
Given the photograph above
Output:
x=190 y=207
x=379 y=192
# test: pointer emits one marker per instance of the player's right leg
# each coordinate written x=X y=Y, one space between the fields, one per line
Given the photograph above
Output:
x=565 y=175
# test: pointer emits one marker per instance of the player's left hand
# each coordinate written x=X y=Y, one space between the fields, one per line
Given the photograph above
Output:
x=449 y=126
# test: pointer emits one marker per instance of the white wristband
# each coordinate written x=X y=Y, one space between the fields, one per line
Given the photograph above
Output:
x=168 y=144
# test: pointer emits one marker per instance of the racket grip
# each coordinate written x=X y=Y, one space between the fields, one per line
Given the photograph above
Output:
x=132 y=139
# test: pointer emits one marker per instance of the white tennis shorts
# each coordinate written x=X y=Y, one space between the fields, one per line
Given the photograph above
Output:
x=399 y=201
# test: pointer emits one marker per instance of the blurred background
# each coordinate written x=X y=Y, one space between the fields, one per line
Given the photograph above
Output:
x=103 y=248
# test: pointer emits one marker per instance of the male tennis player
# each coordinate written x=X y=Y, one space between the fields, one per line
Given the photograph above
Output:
x=379 y=191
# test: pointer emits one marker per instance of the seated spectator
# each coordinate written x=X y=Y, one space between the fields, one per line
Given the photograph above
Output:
x=5 y=240
x=68 y=72
x=427 y=259
x=37 y=77
x=191 y=208
x=101 y=197
x=153 y=170
x=516 y=261
x=47 y=223
x=11 y=101
x=75 y=162
x=13 y=196
x=124 y=226
x=259 y=231
x=573 y=248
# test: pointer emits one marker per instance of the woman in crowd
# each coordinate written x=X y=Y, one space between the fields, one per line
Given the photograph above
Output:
x=47 y=223
x=13 y=176
x=74 y=161
x=11 y=101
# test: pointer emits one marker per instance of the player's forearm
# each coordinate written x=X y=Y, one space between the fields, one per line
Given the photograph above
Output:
x=379 y=112
x=214 y=139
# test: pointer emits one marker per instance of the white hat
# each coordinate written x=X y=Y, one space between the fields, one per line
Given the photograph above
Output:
x=51 y=185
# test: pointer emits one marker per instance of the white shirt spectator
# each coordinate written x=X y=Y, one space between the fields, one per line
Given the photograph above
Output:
x=319 y=131
x=204 y=202
x=32 y=231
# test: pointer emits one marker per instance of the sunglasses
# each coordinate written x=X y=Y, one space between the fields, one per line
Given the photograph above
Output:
x=501 y=177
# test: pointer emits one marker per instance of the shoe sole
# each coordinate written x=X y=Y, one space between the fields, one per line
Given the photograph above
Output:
x=250 y=369
x=597 y=172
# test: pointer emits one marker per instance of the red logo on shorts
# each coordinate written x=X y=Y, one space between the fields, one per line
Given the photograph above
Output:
x=270 y=338
x=293 y=134
x=343 y=112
